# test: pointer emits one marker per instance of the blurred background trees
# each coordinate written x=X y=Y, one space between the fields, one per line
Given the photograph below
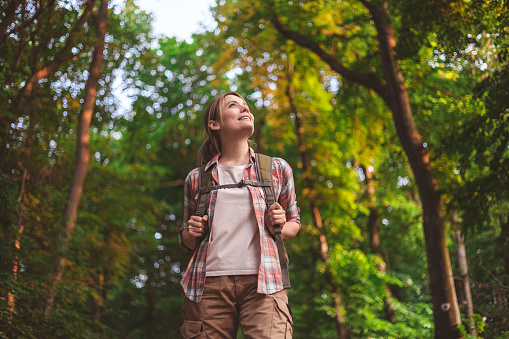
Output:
x=322 y=100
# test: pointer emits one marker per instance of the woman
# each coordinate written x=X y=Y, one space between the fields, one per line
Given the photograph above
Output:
x=234 y=277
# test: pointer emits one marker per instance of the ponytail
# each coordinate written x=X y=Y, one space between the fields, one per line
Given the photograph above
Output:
x=208 y=150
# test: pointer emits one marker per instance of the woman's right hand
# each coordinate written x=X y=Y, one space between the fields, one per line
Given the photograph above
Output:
x=198 y=226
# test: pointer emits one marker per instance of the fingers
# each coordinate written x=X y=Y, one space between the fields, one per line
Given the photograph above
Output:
x=275 y=206
x=277 y=220
x=197 y=226
x=276 y=215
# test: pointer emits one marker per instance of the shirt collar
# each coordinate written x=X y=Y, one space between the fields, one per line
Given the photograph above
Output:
x=215 y=159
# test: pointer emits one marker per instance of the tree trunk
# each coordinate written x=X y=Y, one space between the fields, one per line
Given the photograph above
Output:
x=502 y=302
x=315 y=212
x=504 y=241
x=374 y=239
x=445 y=306
x=466 y=295
x=394 y=93
x=150 y=308
x=11 y=300
x=98 y=305
x=20 y=211
x=324 y=253
x=82 y=150
x=101 y=285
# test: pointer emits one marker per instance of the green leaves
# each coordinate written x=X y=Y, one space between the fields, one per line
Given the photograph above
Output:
x=125 y=263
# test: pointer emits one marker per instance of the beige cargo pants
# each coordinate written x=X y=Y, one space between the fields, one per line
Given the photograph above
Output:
x=230 y=301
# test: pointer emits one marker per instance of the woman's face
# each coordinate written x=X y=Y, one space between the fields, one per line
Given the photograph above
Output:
x=235 y=119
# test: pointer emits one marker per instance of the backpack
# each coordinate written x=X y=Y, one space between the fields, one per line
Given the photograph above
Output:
x=264 y=167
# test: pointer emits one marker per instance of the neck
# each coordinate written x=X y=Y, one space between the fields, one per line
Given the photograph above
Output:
x=234 y=153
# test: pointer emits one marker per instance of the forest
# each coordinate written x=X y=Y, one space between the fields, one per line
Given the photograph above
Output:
x=394 y=116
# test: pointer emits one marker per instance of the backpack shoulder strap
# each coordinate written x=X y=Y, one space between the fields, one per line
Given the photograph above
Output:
x=205 y=180
x=264 y=166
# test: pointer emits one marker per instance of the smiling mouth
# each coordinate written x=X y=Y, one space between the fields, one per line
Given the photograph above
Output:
x=245 y=118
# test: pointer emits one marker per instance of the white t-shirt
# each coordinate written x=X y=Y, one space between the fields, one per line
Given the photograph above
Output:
x=234 y=247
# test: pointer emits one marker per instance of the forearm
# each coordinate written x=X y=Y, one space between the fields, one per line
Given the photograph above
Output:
x=187 y=240
x=290 y=229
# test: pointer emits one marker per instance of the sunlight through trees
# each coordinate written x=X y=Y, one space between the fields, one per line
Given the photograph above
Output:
x=394 y=116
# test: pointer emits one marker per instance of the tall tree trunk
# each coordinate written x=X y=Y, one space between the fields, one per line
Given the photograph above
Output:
x=394 y=93
x=324 y=253
x=504 y=241
x=82 y=150
x=502 y=301
x=315 y=212
x=101 y=285
x=466 y=295
x=11 y=299
x=150 y=308
x=374 y=239
x=20 y=211
x=97 y=304
x=445 y=305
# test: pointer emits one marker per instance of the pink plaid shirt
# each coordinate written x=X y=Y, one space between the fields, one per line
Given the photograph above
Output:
x=269 y=274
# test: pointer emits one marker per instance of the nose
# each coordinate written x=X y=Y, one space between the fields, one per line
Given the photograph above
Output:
x=244 y=108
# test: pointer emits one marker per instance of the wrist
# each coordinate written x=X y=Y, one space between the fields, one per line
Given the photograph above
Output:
x=186 y=239
x=270 y=230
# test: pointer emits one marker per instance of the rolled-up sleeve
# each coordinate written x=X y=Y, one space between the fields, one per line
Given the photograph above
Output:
x=287 y=197
x=190 y=185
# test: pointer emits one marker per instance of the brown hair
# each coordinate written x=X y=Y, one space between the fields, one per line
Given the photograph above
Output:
x=212 y=144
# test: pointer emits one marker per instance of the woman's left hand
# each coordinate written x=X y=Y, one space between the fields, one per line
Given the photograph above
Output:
x=276 y=215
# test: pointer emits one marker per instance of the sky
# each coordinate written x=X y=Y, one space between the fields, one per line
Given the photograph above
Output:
x=179 y=18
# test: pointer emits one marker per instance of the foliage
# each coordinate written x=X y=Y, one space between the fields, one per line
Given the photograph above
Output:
x=124 y=264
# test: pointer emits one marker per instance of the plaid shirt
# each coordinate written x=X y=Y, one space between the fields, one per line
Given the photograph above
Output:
x=269 y=274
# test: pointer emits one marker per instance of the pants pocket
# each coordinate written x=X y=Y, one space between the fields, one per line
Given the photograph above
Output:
x=286 y=314
x=191 y=329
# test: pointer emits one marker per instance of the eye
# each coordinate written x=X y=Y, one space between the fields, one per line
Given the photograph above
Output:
x=232 y=104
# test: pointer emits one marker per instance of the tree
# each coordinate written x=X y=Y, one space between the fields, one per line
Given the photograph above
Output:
x=291 y=21
x=353 y=178
x=82 y=149
x=465 y=300
x=315 y=211
x=29 y=27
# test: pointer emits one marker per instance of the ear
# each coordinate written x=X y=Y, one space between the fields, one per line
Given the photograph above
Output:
x=214 y=125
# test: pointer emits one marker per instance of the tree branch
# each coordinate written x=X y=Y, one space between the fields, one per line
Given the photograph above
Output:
x=63 y=56
x=349 y=74
x=445 y=91
x=491 y=274
x=10 y=14
x=342 y=37
x=173 y=183
x=29 y=21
